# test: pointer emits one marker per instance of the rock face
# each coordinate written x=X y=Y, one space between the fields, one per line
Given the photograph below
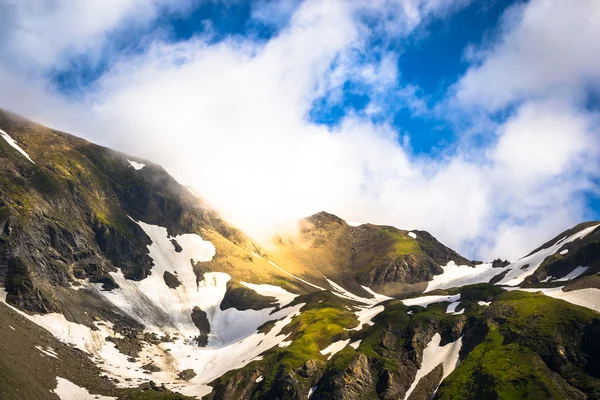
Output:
x=187 y=374
x=72 y=247
x=389 y=260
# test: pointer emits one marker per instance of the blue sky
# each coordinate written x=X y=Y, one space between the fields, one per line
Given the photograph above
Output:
x=475 y=120
x=432 y=60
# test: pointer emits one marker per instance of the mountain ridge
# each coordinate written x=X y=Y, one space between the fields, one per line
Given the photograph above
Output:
x=137 y=279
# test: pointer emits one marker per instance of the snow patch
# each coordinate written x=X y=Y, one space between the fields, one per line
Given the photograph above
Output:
x=10 y=326
x=259 y=379
x=588 y=298
x=565 y=251
x=452 y=308
x=573 y=274
x=526 y=266
x=335 y=347
x=378 y=297
x=136 y=165
x=484 y=303
x=434 y=355
x=283 y=296
x=67 y=390
x=355 y=344
x=49 y=351
x=461 y=275
x=160 y=308
x=424 y=301
x=412 y=235
x=233 y=340
x=14 y=144
x=312 y=391
x=344 y=294
x=365 y=316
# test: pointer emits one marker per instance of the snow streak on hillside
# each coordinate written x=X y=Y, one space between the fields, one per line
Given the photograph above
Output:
x=14 y=144
x=434 y=355
x=515 y=273
x=526 y=266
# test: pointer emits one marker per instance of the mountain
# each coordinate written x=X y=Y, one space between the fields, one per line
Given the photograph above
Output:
x=118 y=282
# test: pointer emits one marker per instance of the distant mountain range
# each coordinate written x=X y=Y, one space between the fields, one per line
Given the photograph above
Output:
x=119 y=283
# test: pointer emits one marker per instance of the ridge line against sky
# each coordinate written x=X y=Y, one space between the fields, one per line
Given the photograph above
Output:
x=476 y=121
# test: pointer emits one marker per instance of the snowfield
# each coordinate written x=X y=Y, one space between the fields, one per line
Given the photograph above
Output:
x=526 y=266
x=233 y=341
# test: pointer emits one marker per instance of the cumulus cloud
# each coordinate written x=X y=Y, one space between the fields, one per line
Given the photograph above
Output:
x=230 y=119
x=547 y=48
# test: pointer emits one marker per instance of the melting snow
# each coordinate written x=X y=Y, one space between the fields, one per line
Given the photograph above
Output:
x=312 y=391
x=434 y=355
x=136 y=165
x=335 y=347
x=355 y=344
x=484 y=303
x=259 y=379
x=14 y=144
x=424 y=301
x=565 y=251
x=412 y=235
x=67 y=390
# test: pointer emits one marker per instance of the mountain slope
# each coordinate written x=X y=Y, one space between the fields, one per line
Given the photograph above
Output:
x=389 y=260
x=118 y=281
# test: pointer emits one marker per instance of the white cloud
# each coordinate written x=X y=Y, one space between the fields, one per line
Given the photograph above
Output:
x=231 y=119
x=547 y=48
x=38 y=33
x=545 y=139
